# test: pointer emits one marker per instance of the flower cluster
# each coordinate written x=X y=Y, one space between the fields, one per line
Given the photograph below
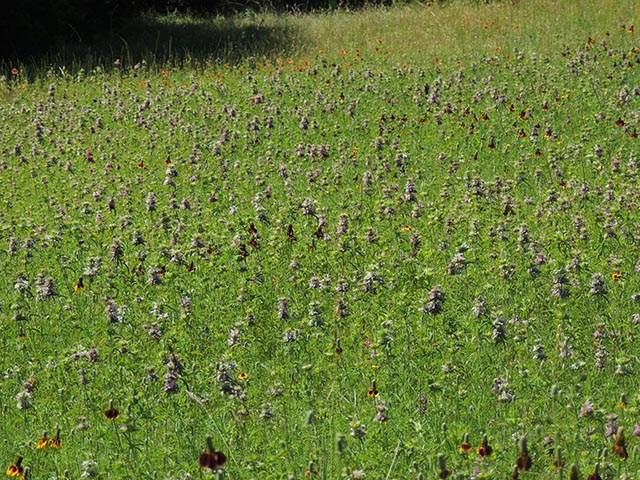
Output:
x=435 y=302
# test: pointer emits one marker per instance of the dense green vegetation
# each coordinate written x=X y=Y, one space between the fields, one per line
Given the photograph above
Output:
x=349 y=263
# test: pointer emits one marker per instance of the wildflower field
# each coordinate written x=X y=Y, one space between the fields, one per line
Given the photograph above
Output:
x=353 y=263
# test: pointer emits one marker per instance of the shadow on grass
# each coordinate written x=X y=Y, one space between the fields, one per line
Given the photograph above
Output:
x=177 y=41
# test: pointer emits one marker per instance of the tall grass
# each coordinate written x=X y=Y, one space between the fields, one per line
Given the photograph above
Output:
x=415 y=32
x=464 y=28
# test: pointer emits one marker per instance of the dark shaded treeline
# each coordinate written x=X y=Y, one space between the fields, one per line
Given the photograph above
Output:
x=43 y=32
x=31 y=27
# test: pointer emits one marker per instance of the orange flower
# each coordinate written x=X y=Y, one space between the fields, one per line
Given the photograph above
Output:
x=43 y=442
x=111 y=413
x=621 y=451
x=524 y=460
x=373 y=391
x=484 y=450
x=55 y=442
x=210 y=458
x=573 y=472
x=15 y=469
x=205 y=460
x=15 y=71
x=619 y=447
x=442 y=467
x=596 y=473
x=465 y=447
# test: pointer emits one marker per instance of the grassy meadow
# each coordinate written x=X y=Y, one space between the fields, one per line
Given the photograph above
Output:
x=397 y=243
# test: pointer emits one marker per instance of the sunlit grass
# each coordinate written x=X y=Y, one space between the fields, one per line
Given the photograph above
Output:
x=334 y=258
x=459 y=29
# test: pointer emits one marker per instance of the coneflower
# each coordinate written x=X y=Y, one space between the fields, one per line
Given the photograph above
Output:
x=524 y=460
x=373 y=391
x=340 y=442
x=573 y=472
x=43 y=442
x=557 y=462
x=465 y=446
x=55 y=441
x=290 y=234
x=79 y=285
x=484 y=450
x=338 y=347
x=15 y=469
x=619 y=447
x=596 y=473
x=211 y=458
x=111 y=413
x=442 y=467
